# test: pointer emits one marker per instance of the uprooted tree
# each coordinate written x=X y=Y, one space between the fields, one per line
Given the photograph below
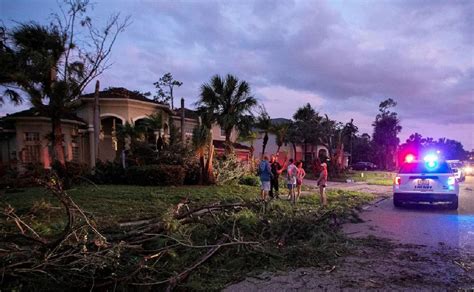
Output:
x=52 y=64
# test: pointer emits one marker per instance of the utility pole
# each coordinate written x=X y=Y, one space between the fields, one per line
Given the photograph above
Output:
x=183 y=133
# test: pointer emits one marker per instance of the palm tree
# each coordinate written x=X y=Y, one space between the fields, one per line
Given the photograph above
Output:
x=281 y=132
x=201 y=139
x=129 y=134
x=228 y=103
x=154 y=122
x=38 y=55
x=45 y=62
x=264 y=123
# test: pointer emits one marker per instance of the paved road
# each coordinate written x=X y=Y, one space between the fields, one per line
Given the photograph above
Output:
x=427 y=225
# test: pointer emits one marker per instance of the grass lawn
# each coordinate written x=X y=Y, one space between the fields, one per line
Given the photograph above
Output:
x=383 y=178
x=289 y=236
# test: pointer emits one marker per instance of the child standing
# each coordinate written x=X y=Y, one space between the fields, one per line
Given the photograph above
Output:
x=300 y=174
x=322 y=181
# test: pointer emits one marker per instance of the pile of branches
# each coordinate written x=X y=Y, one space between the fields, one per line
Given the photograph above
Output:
x=161 y=253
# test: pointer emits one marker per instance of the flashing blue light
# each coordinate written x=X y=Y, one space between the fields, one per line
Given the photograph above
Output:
x=431 y=161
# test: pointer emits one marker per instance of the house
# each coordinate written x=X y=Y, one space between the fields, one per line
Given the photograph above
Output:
x=24 y=136
x=287 y=150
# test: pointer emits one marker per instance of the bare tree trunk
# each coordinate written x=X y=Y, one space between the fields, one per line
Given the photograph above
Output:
x=228 y=143
x=210 y=179
x=294 y=150
x=202 y=167
x=264 y=145
x=58 y=149
x=305 y=151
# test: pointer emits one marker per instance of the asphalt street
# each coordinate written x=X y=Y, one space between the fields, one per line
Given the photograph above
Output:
x=425 y=225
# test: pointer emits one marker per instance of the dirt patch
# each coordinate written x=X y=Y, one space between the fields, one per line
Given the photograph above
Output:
x=376 y=264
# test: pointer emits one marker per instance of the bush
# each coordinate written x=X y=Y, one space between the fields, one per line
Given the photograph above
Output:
x=71 y=173
x=143 y=154
x=249 y=180
x=156 y=175
x=109 y=173
x=193 y=171
x=13 y=179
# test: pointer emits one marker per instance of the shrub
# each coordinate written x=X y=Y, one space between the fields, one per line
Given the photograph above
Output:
x=156 y=175
x=249 y=180
x=13 y=179
x=71 y=173
x=109 y=173
x=143 y=154
x=193 y=171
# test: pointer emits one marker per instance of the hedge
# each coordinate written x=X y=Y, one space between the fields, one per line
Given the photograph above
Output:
x=156 y=175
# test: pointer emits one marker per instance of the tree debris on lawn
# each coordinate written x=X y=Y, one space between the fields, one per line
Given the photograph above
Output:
x=175 y=250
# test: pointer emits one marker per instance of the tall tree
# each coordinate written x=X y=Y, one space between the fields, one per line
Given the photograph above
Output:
x=349 y=132
x=165 y=86
x=386 y=129
x=416 y=144
x=229 y=103
x=53 y=64
x=281 y=134
x=306 y=127
x=362 y=148
x=201 y=139
x=264 y=123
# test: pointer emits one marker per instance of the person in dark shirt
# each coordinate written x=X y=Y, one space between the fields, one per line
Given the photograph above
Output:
x=277 y=169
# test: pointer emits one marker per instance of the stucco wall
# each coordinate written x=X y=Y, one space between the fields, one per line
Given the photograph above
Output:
x=43 y=127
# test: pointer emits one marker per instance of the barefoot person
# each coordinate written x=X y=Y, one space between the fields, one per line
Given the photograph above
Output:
x=291 y=180
x=265 y=174
x=277 y=169
x=300 y=174
x=322 y=181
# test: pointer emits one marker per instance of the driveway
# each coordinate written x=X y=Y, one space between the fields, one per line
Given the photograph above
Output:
x=421 y=225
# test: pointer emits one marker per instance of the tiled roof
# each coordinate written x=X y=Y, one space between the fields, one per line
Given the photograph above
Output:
x=120 y=92
x=34 y=113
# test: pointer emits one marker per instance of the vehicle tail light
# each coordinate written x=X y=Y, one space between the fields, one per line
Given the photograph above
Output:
x=398 y=180
x=451 y=180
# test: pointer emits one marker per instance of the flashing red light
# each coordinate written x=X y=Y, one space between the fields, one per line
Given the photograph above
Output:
x=409 y=158
x=398 y=180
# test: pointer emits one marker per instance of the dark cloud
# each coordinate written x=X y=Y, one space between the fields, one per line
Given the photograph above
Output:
x=345 y=56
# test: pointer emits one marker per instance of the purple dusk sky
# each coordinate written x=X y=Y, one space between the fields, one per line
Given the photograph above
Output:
x=344 y=57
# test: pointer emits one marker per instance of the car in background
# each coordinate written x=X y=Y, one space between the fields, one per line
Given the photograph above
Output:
x=363 y=166
x=458 y=169
x=468 y=168
x=430 y=181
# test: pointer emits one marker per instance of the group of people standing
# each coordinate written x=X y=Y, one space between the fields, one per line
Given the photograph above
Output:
x=270 y=171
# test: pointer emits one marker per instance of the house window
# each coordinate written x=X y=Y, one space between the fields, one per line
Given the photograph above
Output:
x=32 y=153
x=75 y=152
x=75 y=148
x=31 y=136
x=222 y=132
